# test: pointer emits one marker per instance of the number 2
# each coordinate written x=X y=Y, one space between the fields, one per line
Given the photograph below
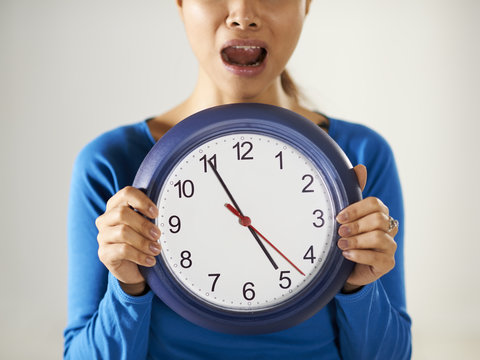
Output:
x=310 y=182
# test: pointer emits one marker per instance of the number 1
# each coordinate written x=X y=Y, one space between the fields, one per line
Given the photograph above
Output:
x=280 y=157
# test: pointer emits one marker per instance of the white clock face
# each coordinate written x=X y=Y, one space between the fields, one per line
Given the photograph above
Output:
x=265 y=261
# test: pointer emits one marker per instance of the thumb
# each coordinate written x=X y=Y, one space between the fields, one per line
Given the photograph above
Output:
x=361 y=172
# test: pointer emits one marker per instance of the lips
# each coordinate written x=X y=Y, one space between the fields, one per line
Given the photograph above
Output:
x=244 y=57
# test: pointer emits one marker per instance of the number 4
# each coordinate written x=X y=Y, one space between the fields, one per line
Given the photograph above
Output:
x=309 y=255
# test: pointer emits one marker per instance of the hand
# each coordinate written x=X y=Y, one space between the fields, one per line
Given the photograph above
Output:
x=127 y=239
x=366 y=238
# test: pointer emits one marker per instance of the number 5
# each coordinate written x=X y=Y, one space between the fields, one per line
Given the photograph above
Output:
x=282 y=277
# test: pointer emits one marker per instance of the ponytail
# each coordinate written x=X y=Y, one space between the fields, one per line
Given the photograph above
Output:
x=289 y=85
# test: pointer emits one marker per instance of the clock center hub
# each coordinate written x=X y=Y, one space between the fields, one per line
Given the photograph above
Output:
x=245 y=221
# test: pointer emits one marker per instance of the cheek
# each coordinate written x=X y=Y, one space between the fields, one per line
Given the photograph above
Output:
x=200 y=23
x=287 y=39
x=286 y=24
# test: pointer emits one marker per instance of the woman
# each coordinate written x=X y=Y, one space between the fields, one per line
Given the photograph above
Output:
x=242 y=47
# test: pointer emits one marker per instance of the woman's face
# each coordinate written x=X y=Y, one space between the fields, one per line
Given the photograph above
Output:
x=243 y=45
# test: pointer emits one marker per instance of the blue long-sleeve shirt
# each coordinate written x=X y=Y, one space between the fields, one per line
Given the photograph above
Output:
x=106 y=323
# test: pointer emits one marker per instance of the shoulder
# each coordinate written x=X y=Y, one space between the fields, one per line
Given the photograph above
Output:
x=356 y=136
x=115 y=154
x=116 y=142
x=361 y=144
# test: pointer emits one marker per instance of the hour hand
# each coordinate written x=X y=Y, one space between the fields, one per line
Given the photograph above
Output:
x=245 y=221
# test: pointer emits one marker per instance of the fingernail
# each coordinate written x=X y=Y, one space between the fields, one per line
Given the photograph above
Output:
x=150 y=260
x=155 y=233
x=155 y=248
x=342 y=217
x=343 y=244
x=347 y=254
x=344 y=230
x=153 y=211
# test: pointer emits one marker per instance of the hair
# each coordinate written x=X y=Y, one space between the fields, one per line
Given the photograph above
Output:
x=289 y=85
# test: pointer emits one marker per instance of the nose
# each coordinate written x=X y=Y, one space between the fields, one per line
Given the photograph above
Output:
x=243 y=15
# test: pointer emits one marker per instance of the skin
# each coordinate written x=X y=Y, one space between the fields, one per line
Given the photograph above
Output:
x=127 y=239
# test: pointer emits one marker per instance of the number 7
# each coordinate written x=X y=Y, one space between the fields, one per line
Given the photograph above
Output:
x=216 y=276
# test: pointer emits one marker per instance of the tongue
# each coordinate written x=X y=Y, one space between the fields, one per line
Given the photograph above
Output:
x=242 y=56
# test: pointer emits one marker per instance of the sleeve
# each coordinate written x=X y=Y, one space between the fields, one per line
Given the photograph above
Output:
x=373 y=323
x=103 y=321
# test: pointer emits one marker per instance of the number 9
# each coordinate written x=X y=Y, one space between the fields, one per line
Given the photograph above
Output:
x=174 y=222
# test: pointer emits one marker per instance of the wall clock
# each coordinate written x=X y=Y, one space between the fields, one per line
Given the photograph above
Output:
x=247 y=197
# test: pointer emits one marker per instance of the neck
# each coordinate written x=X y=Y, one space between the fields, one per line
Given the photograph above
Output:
x=206 y=95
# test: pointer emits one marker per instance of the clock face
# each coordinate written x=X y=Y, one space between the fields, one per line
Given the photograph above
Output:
x=247 y=222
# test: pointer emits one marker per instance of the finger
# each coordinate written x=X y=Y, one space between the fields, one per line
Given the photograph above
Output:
x=360 y=209
x=381 y=263
x=126 y=215
x=113 y=255
x=376 y=240
x=124 y=234
x=371 y=222
x=361 y=172
x=130 y=196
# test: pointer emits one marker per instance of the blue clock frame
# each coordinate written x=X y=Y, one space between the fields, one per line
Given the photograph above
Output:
x=300 y=133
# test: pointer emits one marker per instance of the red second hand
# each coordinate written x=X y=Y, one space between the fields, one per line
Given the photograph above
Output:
x=245 y=221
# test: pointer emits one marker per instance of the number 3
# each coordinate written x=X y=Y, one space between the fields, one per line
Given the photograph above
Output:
x=319 y=217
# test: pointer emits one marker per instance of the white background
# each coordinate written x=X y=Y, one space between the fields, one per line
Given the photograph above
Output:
x=409 y=69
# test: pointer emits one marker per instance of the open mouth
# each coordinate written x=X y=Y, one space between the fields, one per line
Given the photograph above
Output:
x=244 y=55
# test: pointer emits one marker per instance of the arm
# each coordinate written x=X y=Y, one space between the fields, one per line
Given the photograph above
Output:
x=373 y=322
x=103 y=321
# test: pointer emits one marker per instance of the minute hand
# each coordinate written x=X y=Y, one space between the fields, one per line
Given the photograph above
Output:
x=254 y=234
x=245 y=221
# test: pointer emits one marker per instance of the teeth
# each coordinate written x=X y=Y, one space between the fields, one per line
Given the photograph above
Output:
x=246 y=47
x=252 y=65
